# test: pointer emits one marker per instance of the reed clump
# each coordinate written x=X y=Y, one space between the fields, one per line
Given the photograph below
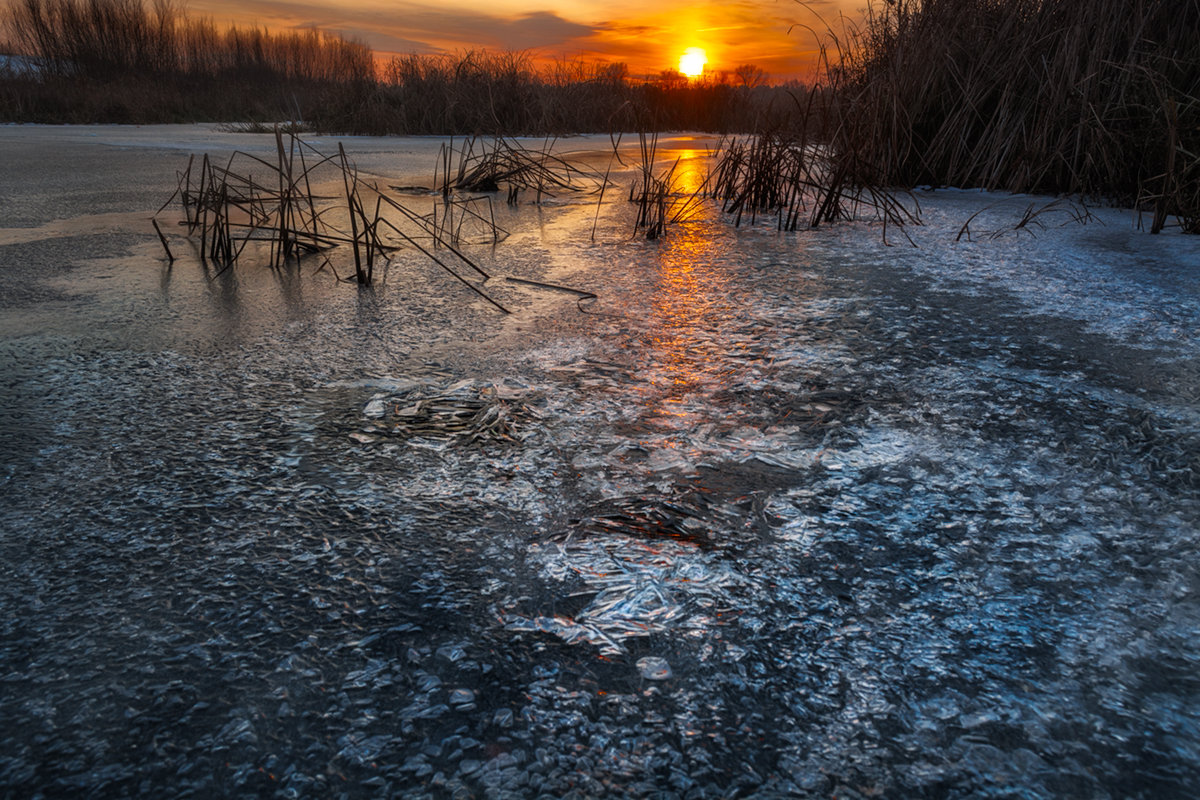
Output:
x=1083 y=97
x=487 y=165
x=803 y=183
x=652 y=191
x=291 y=214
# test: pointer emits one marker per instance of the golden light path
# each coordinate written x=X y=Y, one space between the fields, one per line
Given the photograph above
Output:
x=692 y=299
x=692 y=62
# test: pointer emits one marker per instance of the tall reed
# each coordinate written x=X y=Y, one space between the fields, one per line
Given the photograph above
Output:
x=106 y=39
x=1091 y=97
x=125 y=61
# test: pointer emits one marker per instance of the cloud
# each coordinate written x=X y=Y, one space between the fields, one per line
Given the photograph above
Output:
x=646 y=36
x=541 y=29
x=412 y=27
x=384 y=42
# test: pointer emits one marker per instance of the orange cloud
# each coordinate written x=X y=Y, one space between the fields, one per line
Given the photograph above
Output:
x=768 y=33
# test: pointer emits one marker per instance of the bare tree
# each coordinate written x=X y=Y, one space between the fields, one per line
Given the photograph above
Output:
x=751 y=75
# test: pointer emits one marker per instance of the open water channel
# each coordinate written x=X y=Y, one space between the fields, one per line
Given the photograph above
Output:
x=776 y=515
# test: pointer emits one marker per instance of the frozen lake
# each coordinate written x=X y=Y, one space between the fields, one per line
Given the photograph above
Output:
x=775 y=515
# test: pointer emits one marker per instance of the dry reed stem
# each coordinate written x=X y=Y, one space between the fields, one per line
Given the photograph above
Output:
x=231 y=209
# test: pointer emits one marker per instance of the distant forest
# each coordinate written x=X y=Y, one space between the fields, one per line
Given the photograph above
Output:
x=123 y=61
x=1095 y=98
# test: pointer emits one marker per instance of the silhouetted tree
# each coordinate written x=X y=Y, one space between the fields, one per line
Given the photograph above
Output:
x=751 y=75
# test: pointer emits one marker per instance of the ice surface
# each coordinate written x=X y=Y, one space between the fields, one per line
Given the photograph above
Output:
x=776 y=515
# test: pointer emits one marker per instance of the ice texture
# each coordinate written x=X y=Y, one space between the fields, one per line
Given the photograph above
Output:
x=775 y=516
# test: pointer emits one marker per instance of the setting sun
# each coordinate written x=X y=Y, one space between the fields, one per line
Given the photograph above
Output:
x=692 y=62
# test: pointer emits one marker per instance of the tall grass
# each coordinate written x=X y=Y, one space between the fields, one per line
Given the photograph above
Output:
x=124 y=61
x=105 y=40
x=1091 y=97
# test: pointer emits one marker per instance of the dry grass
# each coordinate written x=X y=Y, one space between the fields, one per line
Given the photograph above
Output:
x=103 y=40
x=1093 y=98
x=487 y=165
x=1086 y=97
x=227 y=210
x=121 y=61
x=802 y=182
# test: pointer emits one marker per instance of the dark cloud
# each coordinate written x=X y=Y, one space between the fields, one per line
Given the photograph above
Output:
x=537 y=29
x=384 y=42
x=629 y=30
x=541 y=29
x=415 y=27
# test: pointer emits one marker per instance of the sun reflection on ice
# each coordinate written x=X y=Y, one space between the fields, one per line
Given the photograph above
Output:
x=687 y=312
x=691 y=171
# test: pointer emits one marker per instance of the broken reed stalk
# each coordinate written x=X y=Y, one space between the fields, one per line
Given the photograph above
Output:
x=163 y=239
x=450 y=229
x=486 y=167
x=231 y=210
x=616 y=143
x=281 y=245
x=355 y=209
x=311 y=226
x=445 y=157
x=450 y=270
x=582 y=295
x=412 y=241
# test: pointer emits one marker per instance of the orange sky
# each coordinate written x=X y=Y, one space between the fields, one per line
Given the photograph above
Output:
x=648 y=35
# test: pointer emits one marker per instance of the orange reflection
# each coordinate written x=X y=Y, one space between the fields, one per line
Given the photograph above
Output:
x=688 y=309
x=690 y=171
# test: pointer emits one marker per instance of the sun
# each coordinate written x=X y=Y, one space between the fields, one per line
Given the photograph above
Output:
x=692 y=62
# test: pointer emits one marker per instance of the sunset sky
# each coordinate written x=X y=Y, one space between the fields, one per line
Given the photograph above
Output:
x=648 y=36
